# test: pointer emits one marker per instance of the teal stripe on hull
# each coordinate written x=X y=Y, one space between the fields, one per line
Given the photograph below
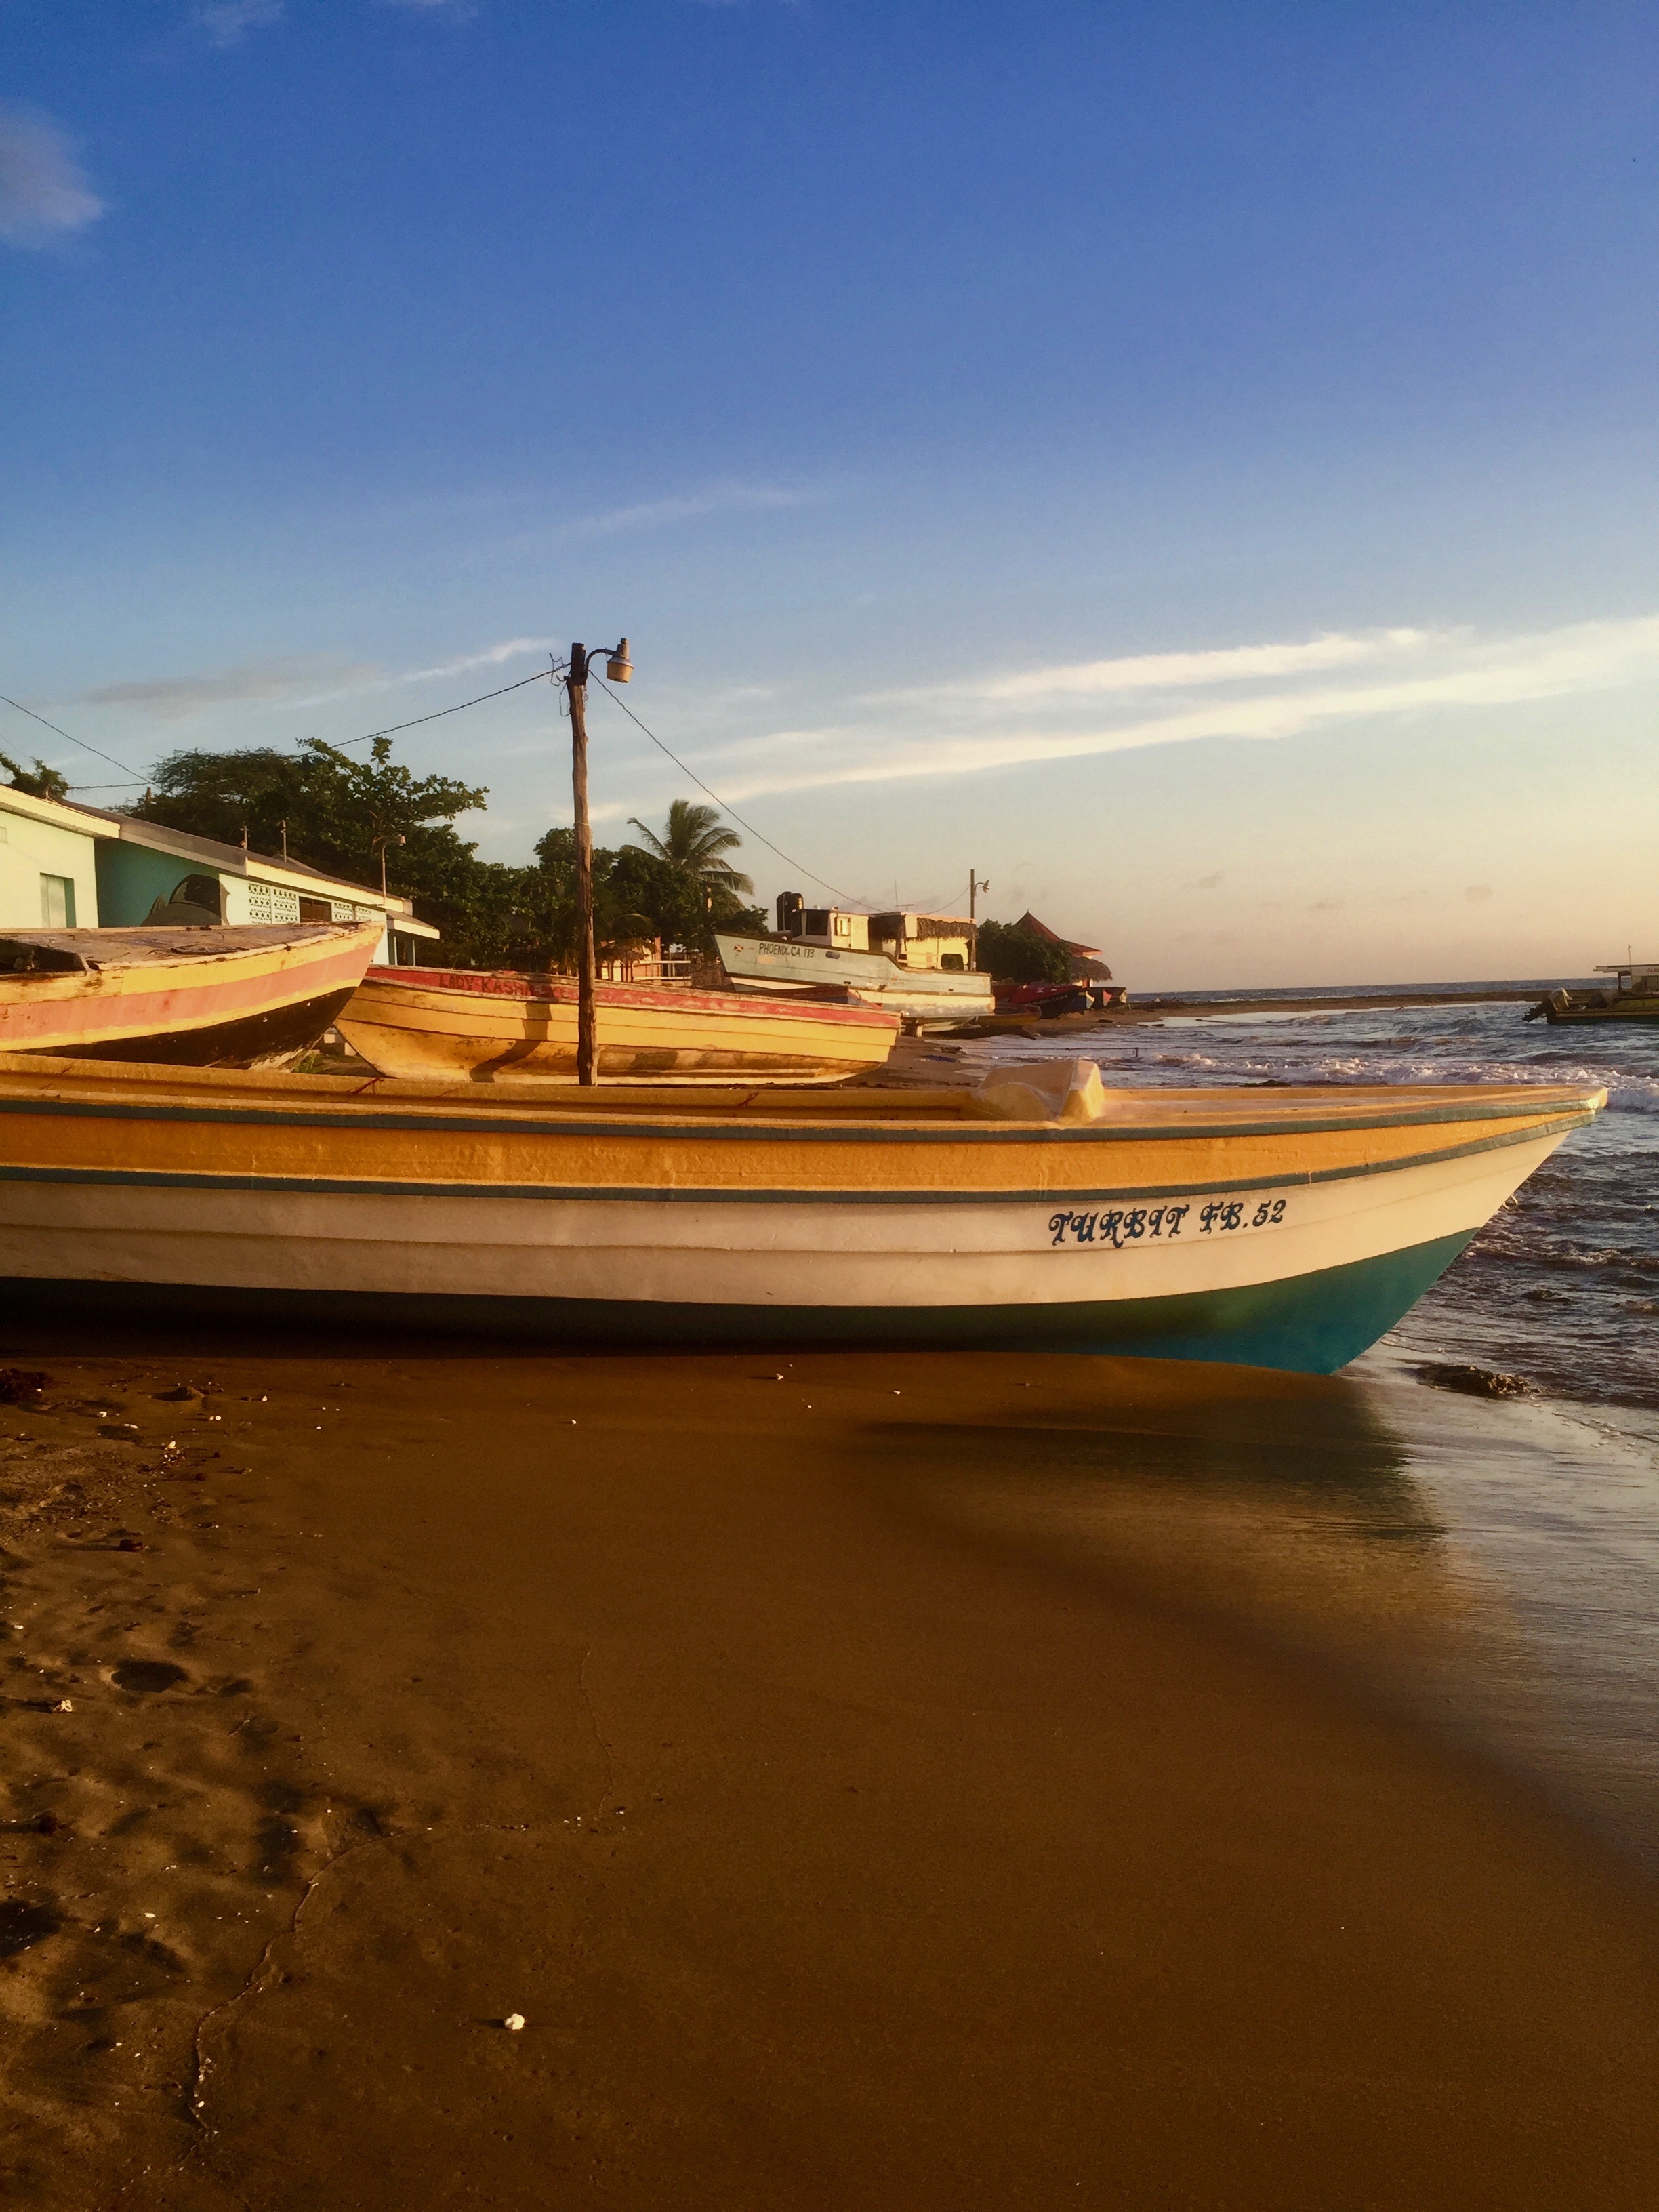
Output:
x=1312 y=1323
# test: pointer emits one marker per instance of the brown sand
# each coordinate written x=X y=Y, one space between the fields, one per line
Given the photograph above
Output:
x=848 y=1837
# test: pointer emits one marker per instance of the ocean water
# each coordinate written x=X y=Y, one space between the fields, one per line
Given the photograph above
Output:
x=1538 y=1514
x=1562 y=1288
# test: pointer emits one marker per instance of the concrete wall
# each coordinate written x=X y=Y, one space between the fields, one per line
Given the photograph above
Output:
x=130 y=878
x=31 y=849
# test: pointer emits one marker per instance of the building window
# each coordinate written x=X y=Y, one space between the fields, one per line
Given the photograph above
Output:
x=316 y=909
x=57 y=901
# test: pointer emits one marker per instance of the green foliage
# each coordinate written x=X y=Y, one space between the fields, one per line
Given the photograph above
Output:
x=341 y=813
x=635 y=894
x=1017 y=955
x=41 y=782
x=693 y=841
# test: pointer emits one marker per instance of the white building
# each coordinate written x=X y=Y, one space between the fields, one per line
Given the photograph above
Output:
x=63 y=866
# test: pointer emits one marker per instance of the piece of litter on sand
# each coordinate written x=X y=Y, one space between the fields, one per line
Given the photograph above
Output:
x=513 y=2021
x=62 y=1706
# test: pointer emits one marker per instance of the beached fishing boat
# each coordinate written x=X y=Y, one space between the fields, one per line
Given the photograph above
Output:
x=919 y=966
x=249 y=996
x=1282 y=1228
x=423 y=1023
x=1633 y=998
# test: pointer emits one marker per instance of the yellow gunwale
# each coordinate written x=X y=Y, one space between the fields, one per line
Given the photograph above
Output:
x=59 y=1117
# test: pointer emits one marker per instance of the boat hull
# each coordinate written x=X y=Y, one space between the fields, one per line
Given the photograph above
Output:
x=414 y=1026
x=247 y=998
x=782 y=965
x=1288 y=1240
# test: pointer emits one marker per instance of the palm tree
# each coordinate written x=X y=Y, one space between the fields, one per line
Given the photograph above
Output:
x=693 y=839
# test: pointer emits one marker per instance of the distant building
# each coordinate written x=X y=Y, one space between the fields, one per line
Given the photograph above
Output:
x=63 y=866
x=1088 y=961
x=906 y=936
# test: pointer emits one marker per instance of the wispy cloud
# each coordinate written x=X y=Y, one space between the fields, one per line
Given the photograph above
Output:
x=177 y=698
x=1251 y=692
x=378 y=679
x=293 y=684
x=1173 y=671
x=44 y=191
x=229 y=22
x=684 y=507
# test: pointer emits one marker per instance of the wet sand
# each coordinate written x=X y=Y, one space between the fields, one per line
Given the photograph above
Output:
x=939 y=1782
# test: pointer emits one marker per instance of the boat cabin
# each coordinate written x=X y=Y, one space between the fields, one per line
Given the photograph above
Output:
x=906 y=936
x=1637 y=979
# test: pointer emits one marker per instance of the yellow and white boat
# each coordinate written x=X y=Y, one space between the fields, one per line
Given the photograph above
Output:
x=246 y=995
x=1282 y=1229
x=421 y=1024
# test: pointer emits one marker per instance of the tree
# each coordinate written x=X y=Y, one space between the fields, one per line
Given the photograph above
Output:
x=43 y=782
x=693 y=840
x=1014 y=954
x=340 y=815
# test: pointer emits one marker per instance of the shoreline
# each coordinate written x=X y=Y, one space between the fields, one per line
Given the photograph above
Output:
x=1198 y=1004
x=874 y=1779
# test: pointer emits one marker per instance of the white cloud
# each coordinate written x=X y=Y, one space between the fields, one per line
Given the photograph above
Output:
x=375 y=679
x=656 y=514
x=229 y=22
x=1168 y=671
x=965 y=728
x=44 y=191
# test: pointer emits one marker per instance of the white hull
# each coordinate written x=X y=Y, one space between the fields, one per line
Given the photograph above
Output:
x=756 y=1251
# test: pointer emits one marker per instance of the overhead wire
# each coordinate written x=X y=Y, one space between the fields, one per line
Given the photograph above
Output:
x=542 y=676
x=391 y=729
x=725 y=805
x=82 y=742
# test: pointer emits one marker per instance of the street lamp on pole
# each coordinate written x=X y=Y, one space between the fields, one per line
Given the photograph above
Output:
x=618 y=668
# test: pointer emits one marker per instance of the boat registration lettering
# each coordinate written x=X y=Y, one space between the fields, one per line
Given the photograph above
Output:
x=1139 y=1223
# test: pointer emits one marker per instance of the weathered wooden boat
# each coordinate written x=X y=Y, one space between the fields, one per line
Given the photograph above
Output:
x=242 y=996
x=424 y=1022
x=1282 y=1229
x=1633 y=998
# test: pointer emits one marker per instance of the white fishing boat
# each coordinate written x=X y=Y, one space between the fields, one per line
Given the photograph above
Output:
x=918 y=965
x=1278 y=1228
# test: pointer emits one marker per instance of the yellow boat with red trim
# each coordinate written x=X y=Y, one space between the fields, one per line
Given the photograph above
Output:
x=244 y=995
x=422 y=1023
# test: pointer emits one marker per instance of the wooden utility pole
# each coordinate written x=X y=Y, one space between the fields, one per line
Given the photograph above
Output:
x=619 y=669
x=976 y=884
x=587 y=1035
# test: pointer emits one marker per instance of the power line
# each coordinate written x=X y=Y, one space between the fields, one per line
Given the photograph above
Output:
x=724 y=805
x=391 y=730
x=368 y=738
x=82 y=742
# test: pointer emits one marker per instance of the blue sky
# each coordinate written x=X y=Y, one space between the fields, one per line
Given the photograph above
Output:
x=1196 y=463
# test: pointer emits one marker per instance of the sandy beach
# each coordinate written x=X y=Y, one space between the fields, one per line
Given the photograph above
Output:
x=873 y=1781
